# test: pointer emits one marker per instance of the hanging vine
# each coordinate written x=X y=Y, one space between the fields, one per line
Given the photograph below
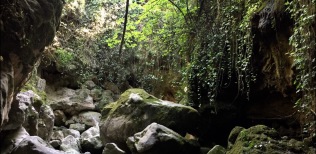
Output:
x=224 y=54
x=304 y=54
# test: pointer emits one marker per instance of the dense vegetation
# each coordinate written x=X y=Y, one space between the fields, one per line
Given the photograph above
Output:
x=200 y=49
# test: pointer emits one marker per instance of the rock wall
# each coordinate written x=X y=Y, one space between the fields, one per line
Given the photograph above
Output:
x=26 y=27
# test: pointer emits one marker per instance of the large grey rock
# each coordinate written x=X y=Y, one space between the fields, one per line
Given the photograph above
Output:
x=90 y=141
x=112 y=148
x=34 y=145
x=71 y=102
x=136 y=109
x=158 y=139
x=46 y=122
x=70 y=144
x=27 y=26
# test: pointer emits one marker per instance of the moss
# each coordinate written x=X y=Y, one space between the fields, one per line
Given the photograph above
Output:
x=108 y=108
x=262 y=139
x=151 y=109
x=233 y=135
x=31 y=84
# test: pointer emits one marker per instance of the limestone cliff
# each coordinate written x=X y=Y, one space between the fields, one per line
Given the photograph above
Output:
x=26 y=27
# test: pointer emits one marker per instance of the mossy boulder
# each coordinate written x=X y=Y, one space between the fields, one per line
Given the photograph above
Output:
x=261 y=139
x=136 y=109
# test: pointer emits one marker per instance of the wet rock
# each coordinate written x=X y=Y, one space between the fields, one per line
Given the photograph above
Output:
x=136 y=109
x=158 y=139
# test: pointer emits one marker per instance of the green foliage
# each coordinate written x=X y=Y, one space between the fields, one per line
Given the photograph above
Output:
x=225 y=50
x=303 y=53
x=64 y=57
x=156 y=40
x=31 y=84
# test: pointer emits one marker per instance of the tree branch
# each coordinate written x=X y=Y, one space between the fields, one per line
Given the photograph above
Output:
x=124 y=29
x=174 y=4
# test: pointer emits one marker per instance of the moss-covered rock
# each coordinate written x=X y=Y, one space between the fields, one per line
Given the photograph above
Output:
x=217 y=149
x=261 y=139
x=136 y=109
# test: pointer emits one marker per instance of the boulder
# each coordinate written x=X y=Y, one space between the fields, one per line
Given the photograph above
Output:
x=90 y=141
x=46 y=122
x=112 y=148
x=34 y=145
x=136 y=109
x=70 y=144
x=158 y=139
x=71 y=102
x=261 y=139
